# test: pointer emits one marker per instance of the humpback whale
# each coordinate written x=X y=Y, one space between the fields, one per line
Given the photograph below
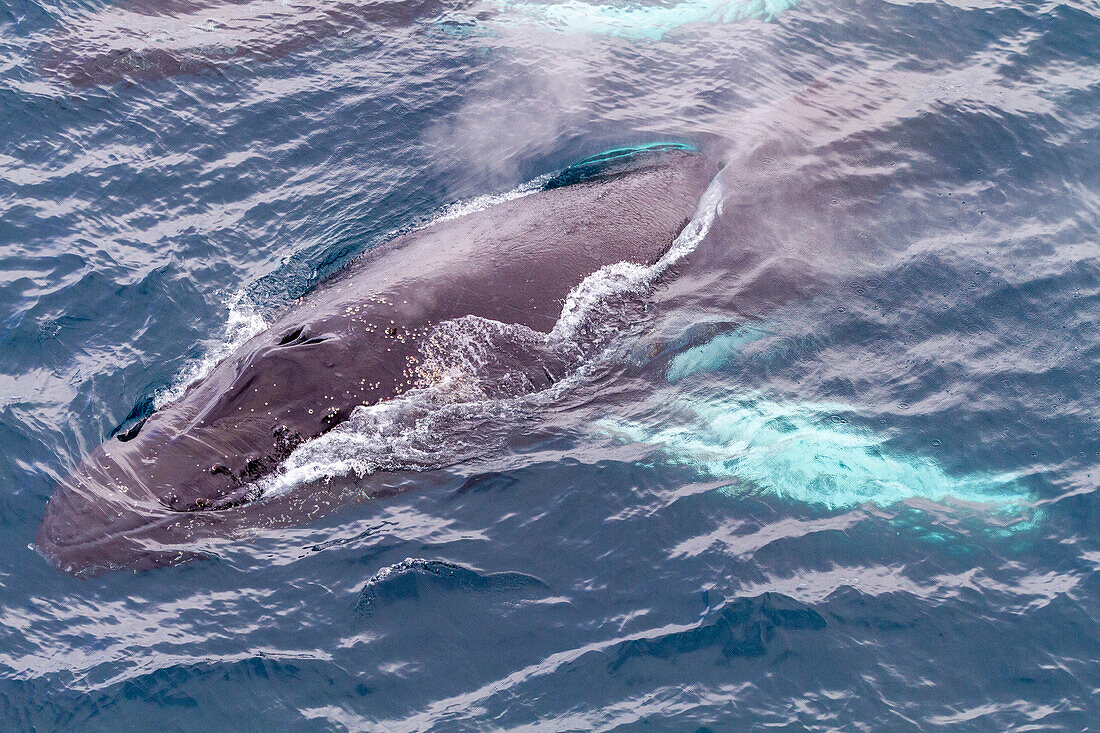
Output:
x=147 y=40
x=375 y=330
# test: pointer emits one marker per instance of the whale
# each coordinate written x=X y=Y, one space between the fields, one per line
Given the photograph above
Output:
x=382 y=327
x=155 y=39
x=148 y=40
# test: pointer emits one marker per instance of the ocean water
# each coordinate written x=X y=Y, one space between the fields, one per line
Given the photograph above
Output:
x=840 y=472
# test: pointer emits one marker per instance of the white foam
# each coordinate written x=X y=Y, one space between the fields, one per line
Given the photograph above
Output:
x=422 y=429
x=625 y=278
x=480 y=203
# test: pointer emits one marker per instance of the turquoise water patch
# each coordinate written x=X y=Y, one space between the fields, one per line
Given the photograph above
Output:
x=634 y=20
x=602 y=163
x=714 y=354
x=810 y=453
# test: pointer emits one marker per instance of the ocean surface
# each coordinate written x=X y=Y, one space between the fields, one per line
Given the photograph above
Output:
x=841 y=473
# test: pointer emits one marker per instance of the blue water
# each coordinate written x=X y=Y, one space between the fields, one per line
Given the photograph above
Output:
x=843 y=474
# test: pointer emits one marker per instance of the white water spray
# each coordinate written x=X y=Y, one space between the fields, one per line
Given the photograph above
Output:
x=242 y=323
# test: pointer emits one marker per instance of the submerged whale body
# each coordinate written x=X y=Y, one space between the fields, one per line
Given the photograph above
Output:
x=193 y=469
x=154 y=39
x=147 y=40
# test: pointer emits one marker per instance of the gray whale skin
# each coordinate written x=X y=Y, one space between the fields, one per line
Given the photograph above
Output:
x=146 y=497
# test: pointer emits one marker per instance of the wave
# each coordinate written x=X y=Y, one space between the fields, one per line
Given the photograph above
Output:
x=415 y=576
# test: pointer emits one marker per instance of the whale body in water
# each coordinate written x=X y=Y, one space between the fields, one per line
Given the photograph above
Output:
x=378 y=328
x=145 y=40
x=153 y=39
